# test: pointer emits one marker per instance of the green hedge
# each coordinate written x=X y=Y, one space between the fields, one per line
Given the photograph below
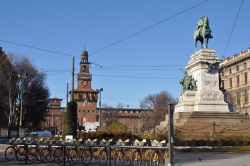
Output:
x=108 y=135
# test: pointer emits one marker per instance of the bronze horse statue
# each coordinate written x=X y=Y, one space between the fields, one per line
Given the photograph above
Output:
x=203 y=32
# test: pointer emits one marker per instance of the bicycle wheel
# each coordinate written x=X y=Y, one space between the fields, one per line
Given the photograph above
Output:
x=45 y=155
x=32 y=154
x=103 y=157
x=74 y=155
x=119 y=158
x=20 y=153
x=155 y=159
x=136 y=158
x=86 y=157
x=10 y=153
x=127 y=158
x=146 y=158
x=58 y=155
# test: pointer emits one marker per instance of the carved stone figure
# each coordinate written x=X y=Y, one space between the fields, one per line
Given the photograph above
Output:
x=203 y=32
x=188 y=82
x=213 y=67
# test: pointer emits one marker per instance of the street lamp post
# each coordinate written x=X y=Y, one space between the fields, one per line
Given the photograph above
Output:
x=100 y=105
x=21 y=77
x=170 y=134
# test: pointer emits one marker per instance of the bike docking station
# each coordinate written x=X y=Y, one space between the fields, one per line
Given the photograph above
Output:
x=88 y=153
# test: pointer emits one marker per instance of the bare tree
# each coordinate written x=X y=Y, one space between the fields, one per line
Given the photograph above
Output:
x=9 y=90
x=158 y=102
x=23 y=89
x=120 y=105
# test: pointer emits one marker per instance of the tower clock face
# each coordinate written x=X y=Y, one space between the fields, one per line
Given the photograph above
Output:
x=84 y=83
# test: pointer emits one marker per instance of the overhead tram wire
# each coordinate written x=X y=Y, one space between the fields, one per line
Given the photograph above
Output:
x=37 y=48
x=114 y=43
x=150 y=67
x=231 y=32
x=117 y=76
x=71 y=55
x=139 y=77
x=149 y=27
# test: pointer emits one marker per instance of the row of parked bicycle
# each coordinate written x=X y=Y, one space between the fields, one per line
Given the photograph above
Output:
x=87 y=154
x=120 y=142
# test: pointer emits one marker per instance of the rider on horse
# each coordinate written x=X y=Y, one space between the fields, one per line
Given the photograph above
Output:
x=203 y=32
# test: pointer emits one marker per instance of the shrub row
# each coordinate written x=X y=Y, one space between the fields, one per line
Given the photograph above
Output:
x=221 y=141
x=108 y=135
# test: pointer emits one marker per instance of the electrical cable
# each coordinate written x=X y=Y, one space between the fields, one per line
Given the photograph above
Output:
x=148 y=27
x=36 y=48
x=131 y=76
x=114 y=43
x=231 y=32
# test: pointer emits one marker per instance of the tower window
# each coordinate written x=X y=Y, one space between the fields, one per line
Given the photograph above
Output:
x=245 y=76
x=238 y=80
x=230 y=71
x=84 y=68
x=230 y=82
x=237 y=68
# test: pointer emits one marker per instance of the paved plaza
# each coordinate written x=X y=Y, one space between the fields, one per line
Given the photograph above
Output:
x=212 y=159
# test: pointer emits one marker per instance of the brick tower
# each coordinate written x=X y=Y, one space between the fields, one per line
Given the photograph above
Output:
x=85 y=96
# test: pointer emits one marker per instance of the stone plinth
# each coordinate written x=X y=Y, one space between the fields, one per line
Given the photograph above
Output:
x=204 y=67
x=203 y=125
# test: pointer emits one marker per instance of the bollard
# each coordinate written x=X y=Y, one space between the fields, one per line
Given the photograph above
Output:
x=64 y=149
x=26 y=153
x=109 y=155
x=170 y=134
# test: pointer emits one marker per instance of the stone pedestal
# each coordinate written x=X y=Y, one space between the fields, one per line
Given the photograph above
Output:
x=204 y=125
x=203 y=113
x=204 y=67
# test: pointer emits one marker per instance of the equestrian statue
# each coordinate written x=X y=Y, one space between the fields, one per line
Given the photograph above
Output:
x=203 y=32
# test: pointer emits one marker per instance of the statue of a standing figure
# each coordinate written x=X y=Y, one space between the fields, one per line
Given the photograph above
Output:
x=203 y=32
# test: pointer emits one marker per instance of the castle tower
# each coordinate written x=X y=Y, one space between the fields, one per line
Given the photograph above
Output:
x=84 y=95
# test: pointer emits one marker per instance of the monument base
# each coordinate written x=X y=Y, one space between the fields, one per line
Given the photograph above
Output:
x=193 y=101
x=203 y=125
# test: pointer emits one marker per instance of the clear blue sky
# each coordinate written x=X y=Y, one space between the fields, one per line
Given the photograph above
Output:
x=159 y=52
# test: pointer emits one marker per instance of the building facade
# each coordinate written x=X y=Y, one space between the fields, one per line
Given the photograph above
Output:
x=135 y=119
x=53 y=116
x=234 y=80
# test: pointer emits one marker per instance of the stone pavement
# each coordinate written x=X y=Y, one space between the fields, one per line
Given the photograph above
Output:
x=212 y=159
